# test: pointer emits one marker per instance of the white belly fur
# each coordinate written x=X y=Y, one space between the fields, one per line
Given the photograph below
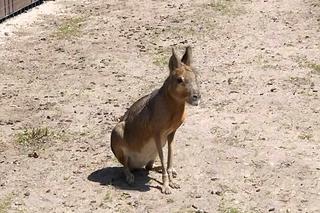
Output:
x=147 y=153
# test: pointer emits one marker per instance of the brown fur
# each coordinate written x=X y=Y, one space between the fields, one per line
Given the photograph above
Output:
x=153 y=120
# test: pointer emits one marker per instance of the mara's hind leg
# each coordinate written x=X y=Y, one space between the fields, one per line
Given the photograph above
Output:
x=127 y=172
x=117 y=147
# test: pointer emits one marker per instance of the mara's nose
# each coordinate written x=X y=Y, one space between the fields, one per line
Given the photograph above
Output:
x=196 y=97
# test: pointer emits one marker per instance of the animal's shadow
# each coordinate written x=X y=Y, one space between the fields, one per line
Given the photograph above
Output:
x=114 y=176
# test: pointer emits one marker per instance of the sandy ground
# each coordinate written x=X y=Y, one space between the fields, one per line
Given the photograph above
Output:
x=69 y=69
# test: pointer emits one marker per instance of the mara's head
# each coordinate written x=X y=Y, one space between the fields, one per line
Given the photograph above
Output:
x=182 y=81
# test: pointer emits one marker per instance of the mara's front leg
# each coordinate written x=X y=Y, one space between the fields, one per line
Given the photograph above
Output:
x=165 y=182
x=171 y=171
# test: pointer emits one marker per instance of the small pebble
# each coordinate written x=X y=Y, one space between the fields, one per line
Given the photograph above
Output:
x=33 y=155
x=219 y=193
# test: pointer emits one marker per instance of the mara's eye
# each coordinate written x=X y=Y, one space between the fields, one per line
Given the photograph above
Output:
x=180 y=80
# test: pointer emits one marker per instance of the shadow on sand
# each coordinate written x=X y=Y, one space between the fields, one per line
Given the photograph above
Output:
x=114 y=176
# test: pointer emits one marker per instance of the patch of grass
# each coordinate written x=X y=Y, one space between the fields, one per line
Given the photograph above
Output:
x=5 y=203
x=160 y=59
x=34 y=136
x=220 y=5
x=315 y=68
x=70 y=28
x=225 y=207
x=181 y=32
x=299 y=81
x=124 y=209
x=262 y=61
x=265 y=61
x=226 y=7
x=305 y=136
x=304 y=62
x=231 y=210
x=269 y=66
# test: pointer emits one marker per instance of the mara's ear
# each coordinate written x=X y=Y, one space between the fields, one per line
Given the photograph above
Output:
x=174 y=62
x=186 y=59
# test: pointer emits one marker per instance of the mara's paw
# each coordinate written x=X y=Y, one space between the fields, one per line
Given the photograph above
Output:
x=174 y=185
x=165 y=189
x=149 y=166
x=172 y=172
x=130 y=178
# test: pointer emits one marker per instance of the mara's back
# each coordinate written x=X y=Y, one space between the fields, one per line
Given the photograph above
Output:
x=138 y=128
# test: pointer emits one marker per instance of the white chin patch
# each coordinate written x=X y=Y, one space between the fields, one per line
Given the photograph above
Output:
x=195 y=103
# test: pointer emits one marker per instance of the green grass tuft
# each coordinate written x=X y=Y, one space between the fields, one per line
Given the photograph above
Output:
x=315 y=68
x=70 y=28
x=226 y=7
x=5 y=203
x=160 y=59
x=305 y=136
x=231 y=210
x=32 y=136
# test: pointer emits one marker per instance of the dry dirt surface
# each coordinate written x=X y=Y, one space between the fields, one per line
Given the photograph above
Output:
x=69 y=69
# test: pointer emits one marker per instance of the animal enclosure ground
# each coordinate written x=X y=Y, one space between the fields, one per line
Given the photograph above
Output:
x=69 y=69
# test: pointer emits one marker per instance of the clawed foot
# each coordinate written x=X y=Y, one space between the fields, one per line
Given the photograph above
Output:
x=174 y=173
x=174 y=185
x=165 y=189
x=129 y=177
